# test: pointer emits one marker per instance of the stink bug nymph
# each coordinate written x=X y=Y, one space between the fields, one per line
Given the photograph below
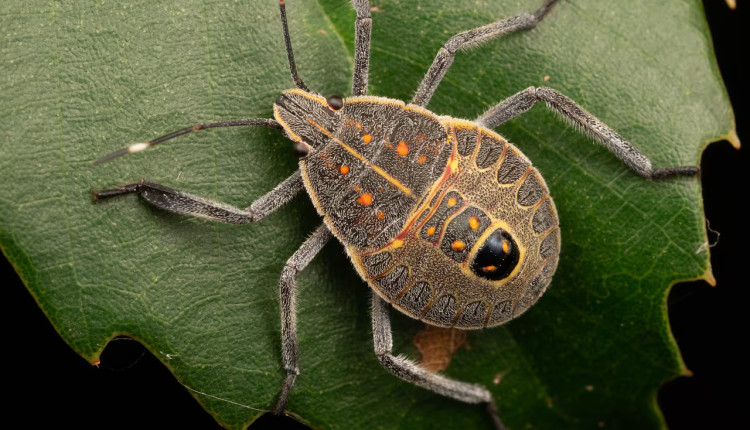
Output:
x=445 y=219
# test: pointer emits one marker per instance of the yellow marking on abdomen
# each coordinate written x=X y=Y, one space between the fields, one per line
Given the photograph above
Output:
x=359 y=157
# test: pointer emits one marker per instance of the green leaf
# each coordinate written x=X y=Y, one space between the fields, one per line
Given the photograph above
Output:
x=80 y=79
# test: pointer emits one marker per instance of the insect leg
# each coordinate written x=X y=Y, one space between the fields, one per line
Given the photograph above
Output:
x=417 y=375
x=523 y=101
x=362 y=29
x=179 y=202
x=471 y=38
x=289 y=344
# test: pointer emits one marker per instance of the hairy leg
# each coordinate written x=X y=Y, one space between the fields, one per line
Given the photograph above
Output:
x=289 y=344
x=362 y=29
x=471 y=38
x=523 y=101
x=417 y=375
x=183 y=203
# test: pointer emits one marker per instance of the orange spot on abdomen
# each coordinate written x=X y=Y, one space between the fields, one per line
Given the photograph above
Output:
x=402 y=149
x=365 y=199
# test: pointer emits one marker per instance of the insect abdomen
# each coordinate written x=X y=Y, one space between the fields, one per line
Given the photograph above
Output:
x=480 y=248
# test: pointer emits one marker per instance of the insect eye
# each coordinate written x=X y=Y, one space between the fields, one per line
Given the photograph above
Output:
x=497 y=257
x=301 y=150
x=335 y=102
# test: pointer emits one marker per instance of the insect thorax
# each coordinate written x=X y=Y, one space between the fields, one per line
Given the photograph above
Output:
x=446 y=220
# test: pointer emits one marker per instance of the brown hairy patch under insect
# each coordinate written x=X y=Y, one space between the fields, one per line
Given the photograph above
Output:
x=437 y=345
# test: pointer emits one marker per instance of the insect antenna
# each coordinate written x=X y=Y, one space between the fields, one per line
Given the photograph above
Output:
x=136 y=147
x=292 y=66
x=542 y=11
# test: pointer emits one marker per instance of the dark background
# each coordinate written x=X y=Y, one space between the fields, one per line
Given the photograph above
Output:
x=48 y=384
